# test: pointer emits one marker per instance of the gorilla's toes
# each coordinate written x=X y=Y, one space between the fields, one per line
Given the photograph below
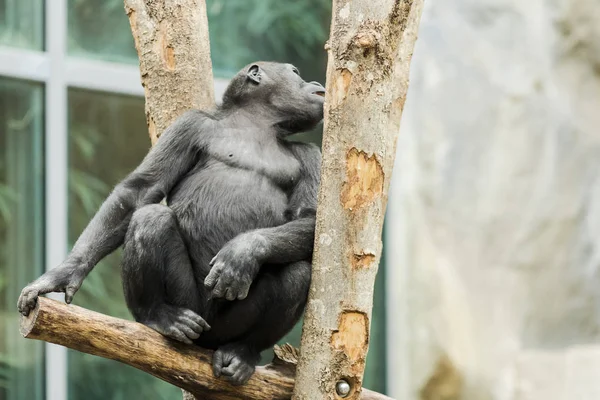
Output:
x=177 y=323
x=235 y=363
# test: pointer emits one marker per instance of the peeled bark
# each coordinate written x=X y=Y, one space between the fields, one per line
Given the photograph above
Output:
x=173 y=46
x=370 y=49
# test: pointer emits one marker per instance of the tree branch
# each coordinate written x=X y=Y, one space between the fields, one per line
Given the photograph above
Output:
x=185 y=366
x=171 y=38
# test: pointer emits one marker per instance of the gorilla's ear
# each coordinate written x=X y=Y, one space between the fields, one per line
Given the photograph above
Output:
x=254 y=73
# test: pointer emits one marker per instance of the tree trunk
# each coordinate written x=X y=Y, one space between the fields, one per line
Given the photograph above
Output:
x=173 y=45
x=370 y=49
x=172 y=42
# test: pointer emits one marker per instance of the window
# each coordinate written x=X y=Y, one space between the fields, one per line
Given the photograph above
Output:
x=21 y=23
x=21 y=236
x=244 y=31
x=100 y=30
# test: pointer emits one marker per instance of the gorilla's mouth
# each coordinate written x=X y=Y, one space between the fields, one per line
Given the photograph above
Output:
x=319 y=93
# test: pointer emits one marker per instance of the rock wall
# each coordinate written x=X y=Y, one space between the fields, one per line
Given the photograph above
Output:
x=493 y=233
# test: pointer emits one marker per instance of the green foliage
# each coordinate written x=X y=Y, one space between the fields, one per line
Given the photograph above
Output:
x=21 y=23
x=8 y=199
x=100 y=29
x=88 y=190
x=100 y=379
x=243 y=31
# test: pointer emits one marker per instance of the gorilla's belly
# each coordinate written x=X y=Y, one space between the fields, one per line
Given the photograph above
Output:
x=217 y=203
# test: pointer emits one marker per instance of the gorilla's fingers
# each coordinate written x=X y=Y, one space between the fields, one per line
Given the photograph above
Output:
x=230 y=294
x=243 y=293
x=23 y=303
x=31 y=300
x=219 y=289
x=212 y=278
x=231 y=368
x=192 y=324
x=238 y=372
x=189 y=332
x=204 y=324
x=197 y=319
x=69 y=293
x=177 y=334
x=217 y=363
x=242 y=375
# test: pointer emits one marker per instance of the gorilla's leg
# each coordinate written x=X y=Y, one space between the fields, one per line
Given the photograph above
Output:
x=158 y=280
x=273 y=306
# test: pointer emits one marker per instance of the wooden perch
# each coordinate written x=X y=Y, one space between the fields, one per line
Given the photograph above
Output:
x=185 y=366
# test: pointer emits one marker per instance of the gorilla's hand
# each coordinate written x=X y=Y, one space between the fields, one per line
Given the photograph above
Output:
x=233 y=269
x=66 y=278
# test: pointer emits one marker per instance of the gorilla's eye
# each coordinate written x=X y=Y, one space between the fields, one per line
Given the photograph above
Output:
x=295 y=70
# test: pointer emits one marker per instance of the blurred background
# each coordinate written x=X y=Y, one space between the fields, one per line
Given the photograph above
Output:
x=489 y=284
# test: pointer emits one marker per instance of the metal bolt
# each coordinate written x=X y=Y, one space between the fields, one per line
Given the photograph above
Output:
x=342 y=388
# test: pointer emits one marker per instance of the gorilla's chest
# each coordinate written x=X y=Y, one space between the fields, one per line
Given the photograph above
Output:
x=265 y=156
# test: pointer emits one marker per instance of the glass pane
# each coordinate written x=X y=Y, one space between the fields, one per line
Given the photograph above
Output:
x=21 y=233
x=21 y=23
x=100 y=29
x=107 y=139
x=243 y=31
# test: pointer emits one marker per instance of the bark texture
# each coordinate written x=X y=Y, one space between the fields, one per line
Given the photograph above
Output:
x=370 y=49
x=171 y=38
x=186 y=366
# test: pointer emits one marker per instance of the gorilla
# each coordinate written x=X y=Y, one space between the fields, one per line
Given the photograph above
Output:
x=226 y=263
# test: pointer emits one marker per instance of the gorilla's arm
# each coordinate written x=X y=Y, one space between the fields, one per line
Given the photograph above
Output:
x=294 y=240
x=286 y=243
x=175 y=154
x=238 y=262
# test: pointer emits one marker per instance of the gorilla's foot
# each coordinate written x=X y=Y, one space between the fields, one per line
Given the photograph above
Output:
x=177 y=323
x=235 y=362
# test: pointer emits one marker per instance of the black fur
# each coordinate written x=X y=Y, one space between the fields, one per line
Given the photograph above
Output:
x=226 y=264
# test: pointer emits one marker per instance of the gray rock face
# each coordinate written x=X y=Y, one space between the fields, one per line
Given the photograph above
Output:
x=494 y=215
